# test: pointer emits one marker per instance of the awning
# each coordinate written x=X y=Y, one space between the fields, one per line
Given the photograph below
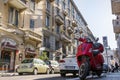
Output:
x=7 y=45
x=30 y=51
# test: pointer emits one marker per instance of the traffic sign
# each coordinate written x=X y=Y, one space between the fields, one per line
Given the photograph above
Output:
x=105 y=41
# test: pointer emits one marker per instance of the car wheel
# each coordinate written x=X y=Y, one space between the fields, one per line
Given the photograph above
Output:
x=35 y=71
x=20 y=73
x=16 y=70
x=62 y=74
x=52 y=71
x=48 y=71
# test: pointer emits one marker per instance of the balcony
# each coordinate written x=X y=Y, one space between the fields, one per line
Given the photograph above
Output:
x=19 y=4
x=33 y=36
x=65 y=38
x=59 y=19
x=65 y=12
x=115 y=6
x=70 y=29
x=116 y=26
x=74 y=23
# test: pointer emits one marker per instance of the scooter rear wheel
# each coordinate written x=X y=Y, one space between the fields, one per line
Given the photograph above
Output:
x=83 y=70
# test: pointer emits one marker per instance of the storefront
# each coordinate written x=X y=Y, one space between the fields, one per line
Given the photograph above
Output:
x=30 y=51
x=8 y=53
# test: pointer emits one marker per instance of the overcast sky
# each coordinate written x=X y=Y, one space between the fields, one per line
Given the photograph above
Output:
x=98 y=16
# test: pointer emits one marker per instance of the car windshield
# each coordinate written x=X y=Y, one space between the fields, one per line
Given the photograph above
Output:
x=54 y=63
x=27 y=61
x=70 y=56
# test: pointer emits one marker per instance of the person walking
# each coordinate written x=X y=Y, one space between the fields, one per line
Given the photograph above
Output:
x=116 y=66
x=112 y=64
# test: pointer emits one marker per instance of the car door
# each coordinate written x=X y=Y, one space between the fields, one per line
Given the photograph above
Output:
x=38 y=65
x=56 y=66
x=42 y=67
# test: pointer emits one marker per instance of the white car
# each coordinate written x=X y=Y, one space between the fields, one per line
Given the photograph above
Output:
x=68 y=65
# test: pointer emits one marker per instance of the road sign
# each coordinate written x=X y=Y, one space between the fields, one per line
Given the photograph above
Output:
x=105 y=41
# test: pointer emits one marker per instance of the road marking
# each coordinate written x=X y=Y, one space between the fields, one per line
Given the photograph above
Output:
x=73 y=79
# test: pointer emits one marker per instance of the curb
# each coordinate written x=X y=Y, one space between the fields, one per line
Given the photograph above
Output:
x=7 y=74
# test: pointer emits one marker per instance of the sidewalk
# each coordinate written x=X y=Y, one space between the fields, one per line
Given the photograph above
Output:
x=2 y=74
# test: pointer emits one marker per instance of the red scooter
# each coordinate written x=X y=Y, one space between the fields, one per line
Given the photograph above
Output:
x=89 y=58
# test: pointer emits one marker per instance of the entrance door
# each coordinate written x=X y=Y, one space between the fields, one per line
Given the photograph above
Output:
x=8 y=58
x=5 y=58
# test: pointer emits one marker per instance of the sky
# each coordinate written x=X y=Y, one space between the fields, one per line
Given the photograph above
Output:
x=98 y=15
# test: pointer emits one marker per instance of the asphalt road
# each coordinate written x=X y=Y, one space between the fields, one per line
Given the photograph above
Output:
x=108 y=76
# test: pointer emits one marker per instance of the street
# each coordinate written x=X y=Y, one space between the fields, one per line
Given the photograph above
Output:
x=105 y=76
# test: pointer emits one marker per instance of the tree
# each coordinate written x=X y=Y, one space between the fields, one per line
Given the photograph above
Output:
x=44 y=56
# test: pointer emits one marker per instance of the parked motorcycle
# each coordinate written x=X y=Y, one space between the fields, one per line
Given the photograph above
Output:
x=89 y=58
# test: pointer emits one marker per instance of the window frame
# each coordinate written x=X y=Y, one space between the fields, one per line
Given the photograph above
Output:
x=47 y=21
x=13 y=16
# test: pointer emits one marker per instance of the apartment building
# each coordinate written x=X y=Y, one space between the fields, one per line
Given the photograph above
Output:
x=116 y=23
x=20 y=35
x=61 y=18
x=29 y=28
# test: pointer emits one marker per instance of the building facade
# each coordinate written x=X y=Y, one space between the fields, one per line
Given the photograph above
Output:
x=18 y=37
x=29 y=28
x=60 y=20
x=116 y=23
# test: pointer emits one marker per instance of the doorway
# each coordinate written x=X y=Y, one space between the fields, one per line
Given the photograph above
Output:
x=8 y=57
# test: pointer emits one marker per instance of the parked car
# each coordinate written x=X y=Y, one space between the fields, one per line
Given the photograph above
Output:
x=68 y=65
x=33 y=65
x=53 y=65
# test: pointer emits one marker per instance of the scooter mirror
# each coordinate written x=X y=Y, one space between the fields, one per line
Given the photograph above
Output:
x=97 y=39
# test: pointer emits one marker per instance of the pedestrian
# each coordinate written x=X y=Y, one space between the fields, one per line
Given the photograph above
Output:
x=116 y=66
x=112 y=63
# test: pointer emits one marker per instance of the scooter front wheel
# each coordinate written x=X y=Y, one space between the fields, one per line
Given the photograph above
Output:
x=99 y=72
x=83 y=70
